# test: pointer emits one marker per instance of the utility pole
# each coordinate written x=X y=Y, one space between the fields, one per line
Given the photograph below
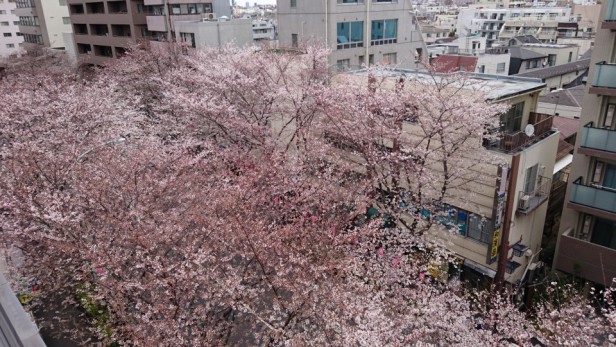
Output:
x=503 y=255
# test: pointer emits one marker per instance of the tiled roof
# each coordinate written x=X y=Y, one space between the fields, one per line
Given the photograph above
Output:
x=557 y=70
x=566 y=126
x=525 y=54
x=566 y=97
x=452 y=63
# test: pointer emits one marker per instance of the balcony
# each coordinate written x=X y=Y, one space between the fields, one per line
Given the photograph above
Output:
x=515 y=142
x=604 y=81
x=530 y=201
x=585 y=259
x=593 y=199
x=609 y=22
x=598 y=142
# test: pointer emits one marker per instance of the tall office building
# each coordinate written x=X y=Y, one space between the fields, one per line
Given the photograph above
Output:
x=359 y=32
x=43 y=22
x=587 y=241
x=104 y=29
x=10 y=40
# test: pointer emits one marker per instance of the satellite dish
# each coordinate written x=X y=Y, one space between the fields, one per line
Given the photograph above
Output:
x=529 y=130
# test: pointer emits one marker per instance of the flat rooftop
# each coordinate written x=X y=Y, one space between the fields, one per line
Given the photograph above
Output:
x=495 y=87
x=549 y=45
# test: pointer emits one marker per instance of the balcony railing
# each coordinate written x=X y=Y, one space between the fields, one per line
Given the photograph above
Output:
x=605 y=75
x=511 y=143
x=585 y=259
x=598 y=139
x=594 y=196
x=529 y=201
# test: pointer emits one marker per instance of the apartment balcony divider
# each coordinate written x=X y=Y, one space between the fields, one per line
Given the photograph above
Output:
x=593 y=198
x=514 y=142
x=609 y=22
x=585 y=259
x=598 y=142
x=604 y=80
x=530 y=201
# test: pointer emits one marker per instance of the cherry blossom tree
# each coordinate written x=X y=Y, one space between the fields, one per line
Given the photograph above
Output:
x=219 y=197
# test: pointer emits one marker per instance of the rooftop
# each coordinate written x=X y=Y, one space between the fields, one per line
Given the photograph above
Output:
x=495 y=87
x=549 y=45
x=557 y=70
x=524 y=54
x=566 y=97
x=567 y=126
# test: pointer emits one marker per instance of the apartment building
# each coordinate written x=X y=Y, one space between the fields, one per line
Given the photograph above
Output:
x=473 y=216
x=587 y=241
x=490 y=23
x=161 y=20
x=359 y=32
x=43 y=22
x=103 y=29
x=10 y=39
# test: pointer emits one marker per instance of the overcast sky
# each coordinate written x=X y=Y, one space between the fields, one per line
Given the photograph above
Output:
x=268 y=2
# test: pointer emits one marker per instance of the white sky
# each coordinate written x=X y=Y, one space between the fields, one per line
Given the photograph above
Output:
x=264 y=2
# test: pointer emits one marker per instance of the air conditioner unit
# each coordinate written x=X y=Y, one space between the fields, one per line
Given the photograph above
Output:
x=209 y=17
x=525 y=202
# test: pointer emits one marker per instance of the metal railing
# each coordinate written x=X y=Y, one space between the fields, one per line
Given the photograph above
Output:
x=514 y=142
x=598 y=138
x=528 y=201
x=594 y=196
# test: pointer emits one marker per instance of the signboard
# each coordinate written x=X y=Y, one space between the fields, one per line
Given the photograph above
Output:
x=497 y=213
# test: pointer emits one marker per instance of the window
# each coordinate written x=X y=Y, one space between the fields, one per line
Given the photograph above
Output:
x=293 y=3
x=66 y=20
x=10 y=45
x=294 y=42
x=390 y=59
x=531 y=179
x=604 y=233
x=62 y=2
x=531 y=64
x=570 y=56
x=511 y=121
x=479 y=228
x=2 y=12
x=4 y=24
x=28 y=21
x=343 y=64
x=350 y=34
x=8 y=35
x=500 y=67
x=384 y=32
x=551 y=59
x=350 y=1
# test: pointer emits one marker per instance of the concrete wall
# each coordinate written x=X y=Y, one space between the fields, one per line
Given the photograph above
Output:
x=9 y=45
x=308 y=22
x=491 y=61
x=217 y=33
x=562 y=110
x=562 y=53
x=557 y=82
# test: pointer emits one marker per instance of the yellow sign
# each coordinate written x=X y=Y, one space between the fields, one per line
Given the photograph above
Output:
x=495 y=238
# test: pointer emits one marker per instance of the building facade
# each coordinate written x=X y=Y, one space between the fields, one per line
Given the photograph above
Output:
x=215 y=33
x=10 y=40
x=43 y=22
x=103 y=29
x=359 y=32
x=490 y=23
x=162 y=26
x=587 y=241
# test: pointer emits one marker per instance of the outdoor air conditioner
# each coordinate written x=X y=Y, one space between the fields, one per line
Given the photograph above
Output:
x=209 y=17
x=525 y=202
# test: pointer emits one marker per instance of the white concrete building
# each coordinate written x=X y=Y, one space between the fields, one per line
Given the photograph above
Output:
x=215 y=33
x=9 y=41
x=263 y=30
x=43 y=22
x=359 y=32
x=490 y=23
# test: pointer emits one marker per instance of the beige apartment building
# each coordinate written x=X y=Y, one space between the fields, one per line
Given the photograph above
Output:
x=358 y=32
x=587 y=241
x=472 y=220
x=43 y=22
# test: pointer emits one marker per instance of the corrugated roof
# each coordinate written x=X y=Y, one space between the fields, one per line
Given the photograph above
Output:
x=557 y=70
x=524 y=54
